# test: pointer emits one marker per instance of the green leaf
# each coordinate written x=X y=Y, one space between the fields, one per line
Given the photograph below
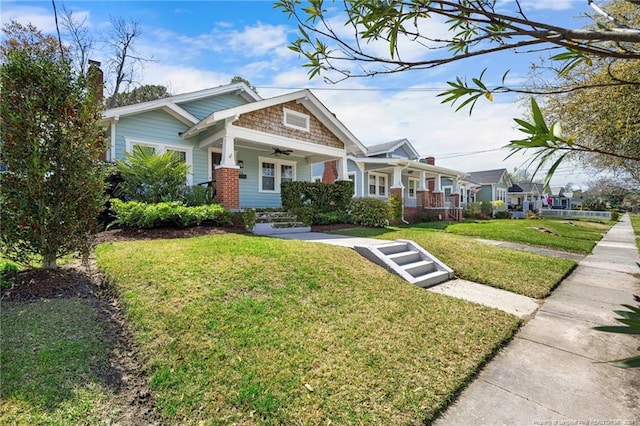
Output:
x=617 y=329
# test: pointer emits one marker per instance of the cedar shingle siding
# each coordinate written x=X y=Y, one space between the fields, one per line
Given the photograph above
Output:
x=271 y=120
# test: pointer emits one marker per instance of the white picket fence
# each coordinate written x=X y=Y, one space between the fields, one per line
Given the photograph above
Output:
x=575 y=213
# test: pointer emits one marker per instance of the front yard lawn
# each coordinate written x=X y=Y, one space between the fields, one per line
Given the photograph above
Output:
x=237 y=329
x=566 y=235
x=635 y=223
x=52 y=361
x=530 y=274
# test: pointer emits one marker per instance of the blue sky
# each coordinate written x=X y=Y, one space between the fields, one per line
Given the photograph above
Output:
x=201 y=44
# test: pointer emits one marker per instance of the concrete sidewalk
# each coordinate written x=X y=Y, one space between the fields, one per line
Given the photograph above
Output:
x=548 y=374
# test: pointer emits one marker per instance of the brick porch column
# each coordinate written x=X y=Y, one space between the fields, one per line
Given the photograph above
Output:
x=330 y=173
x=455 y=199
x=228 y=187
x=438 y=199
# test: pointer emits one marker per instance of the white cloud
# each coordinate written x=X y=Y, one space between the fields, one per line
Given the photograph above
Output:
x=41 y=17
x=181 y=79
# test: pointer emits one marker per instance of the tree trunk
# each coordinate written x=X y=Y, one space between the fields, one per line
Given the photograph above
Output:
x=49 y=261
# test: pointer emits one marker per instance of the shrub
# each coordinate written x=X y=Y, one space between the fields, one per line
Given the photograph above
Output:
x=135 y=214
x=370 y=212
x=486 y=208
x=304 y=214
x=195 y=195
x=497 y=204
x=322 y=197
x=615 y=216
x=474 y=210
x=502 y=215
x=395 y=204
x=7 y=267
x=150 y=177
x=249 y=219
x=427 y=216
x=320 y=218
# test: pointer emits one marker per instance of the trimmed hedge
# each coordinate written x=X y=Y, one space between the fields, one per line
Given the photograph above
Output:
x=370 y=212
x=135 y=214
x=321 y=197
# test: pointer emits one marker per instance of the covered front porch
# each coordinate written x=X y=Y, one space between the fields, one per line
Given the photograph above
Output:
x=417 y=184
x=252 y=149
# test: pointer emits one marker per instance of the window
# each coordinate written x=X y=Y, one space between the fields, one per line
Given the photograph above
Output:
x=412 y=188
x=185 y=153
x=377 y=184
x=352 y=178
x=447 y=191
x=296 y=120
x=274 y=172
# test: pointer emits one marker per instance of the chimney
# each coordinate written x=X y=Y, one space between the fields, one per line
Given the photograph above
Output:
x=430 y=160
x=95 y=78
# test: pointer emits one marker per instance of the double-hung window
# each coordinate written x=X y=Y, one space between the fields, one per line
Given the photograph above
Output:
x=273 y=172
x=377 y=184
x=412 y=187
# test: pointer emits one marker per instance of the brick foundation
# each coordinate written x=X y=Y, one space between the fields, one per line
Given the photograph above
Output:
x=228 y=187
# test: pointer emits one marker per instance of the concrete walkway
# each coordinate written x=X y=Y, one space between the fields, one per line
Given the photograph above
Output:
x=507 y=301
x=548 y=374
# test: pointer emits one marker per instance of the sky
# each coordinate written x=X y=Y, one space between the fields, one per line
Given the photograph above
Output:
x=202 y=44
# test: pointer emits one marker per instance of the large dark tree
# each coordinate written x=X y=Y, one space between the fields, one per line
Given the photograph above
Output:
x=147 y=92
x=52 y=189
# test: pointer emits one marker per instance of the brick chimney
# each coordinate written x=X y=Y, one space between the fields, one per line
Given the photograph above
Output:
x=430 y=160
x=330 y=173
x=95 y=77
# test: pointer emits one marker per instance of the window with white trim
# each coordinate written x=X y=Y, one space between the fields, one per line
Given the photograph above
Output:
x=412 y=188
x=296 y=120
x=352 y=178
x=377 y=184
x=185 y=153
x=273 y=172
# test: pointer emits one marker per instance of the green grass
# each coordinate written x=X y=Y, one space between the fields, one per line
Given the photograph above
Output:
x=635 y=223
x=251 y=330
x=521 y=272
x=573 y=236
x=51 y=362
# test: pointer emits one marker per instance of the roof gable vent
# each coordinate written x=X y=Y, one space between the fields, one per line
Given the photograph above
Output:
x=296 y=120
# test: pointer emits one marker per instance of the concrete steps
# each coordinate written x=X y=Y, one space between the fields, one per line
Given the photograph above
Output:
x=409 y=261
x=273 y=222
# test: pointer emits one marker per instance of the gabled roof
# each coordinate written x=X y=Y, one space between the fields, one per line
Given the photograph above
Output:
x=389 y=147
x=170 y=104
x=485 y=177
x=303 y=97
x=525 y=187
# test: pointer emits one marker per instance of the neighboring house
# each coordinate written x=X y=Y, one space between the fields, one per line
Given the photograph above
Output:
x=523 y=197
x=241 y=145
x=560 y=198
x=493 y=185
x=395 y=168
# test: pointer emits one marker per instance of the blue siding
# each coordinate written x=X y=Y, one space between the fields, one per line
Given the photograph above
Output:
x=353 y=168
x=317 y=169
x=154 y=126
x=249 y=187
x=485 y=193
x=203 y=107
x=401 y=151
x=160 y=127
